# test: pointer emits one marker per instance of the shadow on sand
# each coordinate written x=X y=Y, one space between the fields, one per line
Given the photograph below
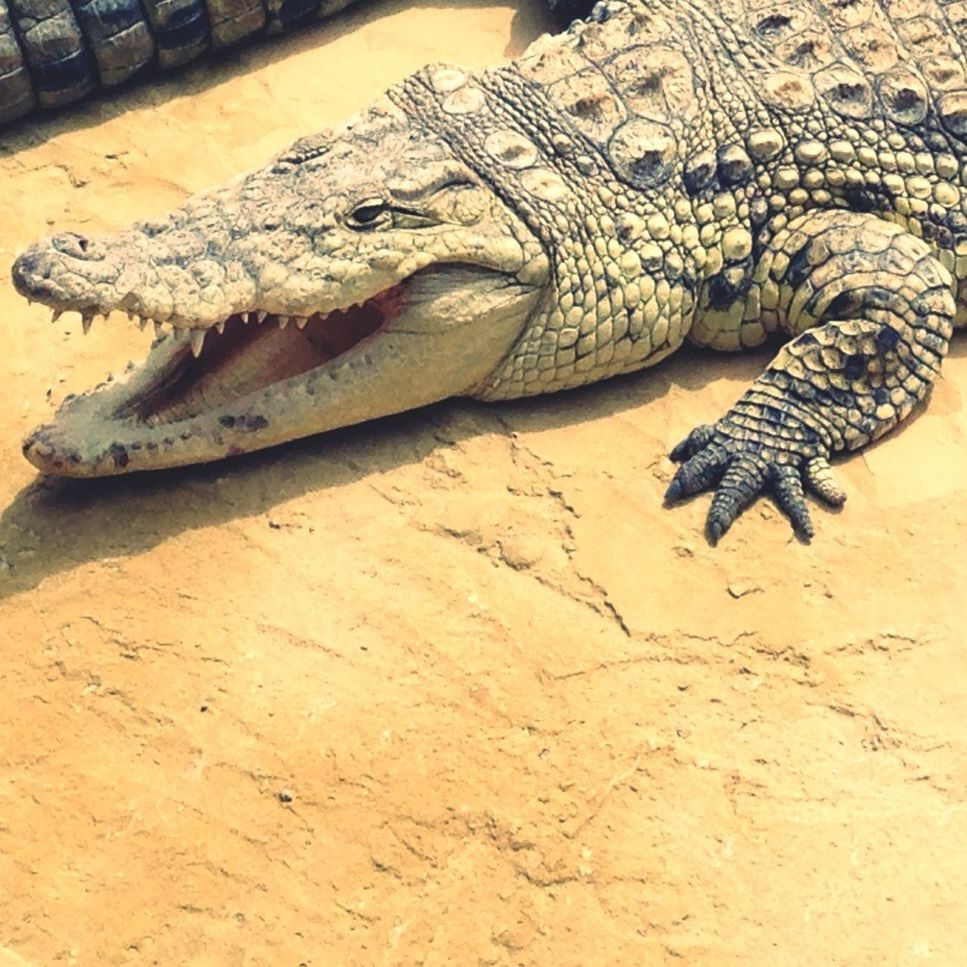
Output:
x=54 y=525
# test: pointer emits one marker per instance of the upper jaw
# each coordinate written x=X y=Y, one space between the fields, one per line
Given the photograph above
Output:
x=124 y=273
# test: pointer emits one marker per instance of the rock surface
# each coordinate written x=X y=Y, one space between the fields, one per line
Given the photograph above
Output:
x=454 y=688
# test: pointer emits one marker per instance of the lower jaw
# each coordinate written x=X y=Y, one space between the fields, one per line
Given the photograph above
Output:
x=87 y=439
x=180 y=408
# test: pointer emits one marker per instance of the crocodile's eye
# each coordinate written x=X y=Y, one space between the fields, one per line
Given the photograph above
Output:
x=369 y=214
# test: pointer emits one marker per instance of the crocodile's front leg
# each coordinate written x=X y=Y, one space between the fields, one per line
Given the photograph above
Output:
x=872 y=313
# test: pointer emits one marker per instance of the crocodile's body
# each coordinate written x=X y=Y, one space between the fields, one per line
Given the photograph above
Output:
x=669 y=170
x=54 y=52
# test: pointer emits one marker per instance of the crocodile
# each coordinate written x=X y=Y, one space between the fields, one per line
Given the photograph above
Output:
x=56 y=52
x=719 y=172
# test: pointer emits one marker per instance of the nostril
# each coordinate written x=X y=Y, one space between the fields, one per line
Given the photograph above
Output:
x=68 y=243
x=75 y=246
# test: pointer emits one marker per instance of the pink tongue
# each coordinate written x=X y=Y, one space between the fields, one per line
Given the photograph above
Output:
x=341 y=330
x=248 y=358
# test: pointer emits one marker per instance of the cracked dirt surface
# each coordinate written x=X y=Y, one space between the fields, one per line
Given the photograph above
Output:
x=454 y=688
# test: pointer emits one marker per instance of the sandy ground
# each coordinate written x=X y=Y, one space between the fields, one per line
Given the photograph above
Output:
x=454 y=688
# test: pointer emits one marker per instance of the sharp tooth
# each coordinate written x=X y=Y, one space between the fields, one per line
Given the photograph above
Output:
x=246 y=316
x=142 y=323
x=220 y=326
x=56 y=314
x=158 y=330
x=283 y=321
x=261 y=316
x=86 y=322
x=302 y=321
x=197 y=342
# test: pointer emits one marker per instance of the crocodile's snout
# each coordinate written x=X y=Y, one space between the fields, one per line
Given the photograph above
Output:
x=72 y=271
x=35 y=267
x=31 y=273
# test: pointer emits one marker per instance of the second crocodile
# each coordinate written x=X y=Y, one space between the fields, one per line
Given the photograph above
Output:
x=55 y=52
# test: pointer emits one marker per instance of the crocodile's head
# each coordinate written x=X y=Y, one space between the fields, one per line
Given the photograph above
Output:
x=364 y=272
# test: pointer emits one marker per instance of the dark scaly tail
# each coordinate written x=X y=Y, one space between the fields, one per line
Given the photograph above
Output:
x=54 y=52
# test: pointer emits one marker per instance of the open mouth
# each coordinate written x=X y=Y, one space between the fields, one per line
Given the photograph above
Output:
x=256 y=379
x=248 y=352
x=205 y=393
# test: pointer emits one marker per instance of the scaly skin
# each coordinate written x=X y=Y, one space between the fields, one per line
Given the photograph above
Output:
x=662 y=172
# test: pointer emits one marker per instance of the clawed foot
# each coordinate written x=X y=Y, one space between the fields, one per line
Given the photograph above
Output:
x=739 y=469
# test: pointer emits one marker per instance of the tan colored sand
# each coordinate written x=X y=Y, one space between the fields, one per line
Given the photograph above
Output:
x=523 y=714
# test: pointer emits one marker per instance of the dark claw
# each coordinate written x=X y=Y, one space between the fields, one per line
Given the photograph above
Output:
x=791 y=496
x=697 y=440
x=699 y=472
x=742 y=483
x=674 y=491
x=715 y=529
x=680 y=452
